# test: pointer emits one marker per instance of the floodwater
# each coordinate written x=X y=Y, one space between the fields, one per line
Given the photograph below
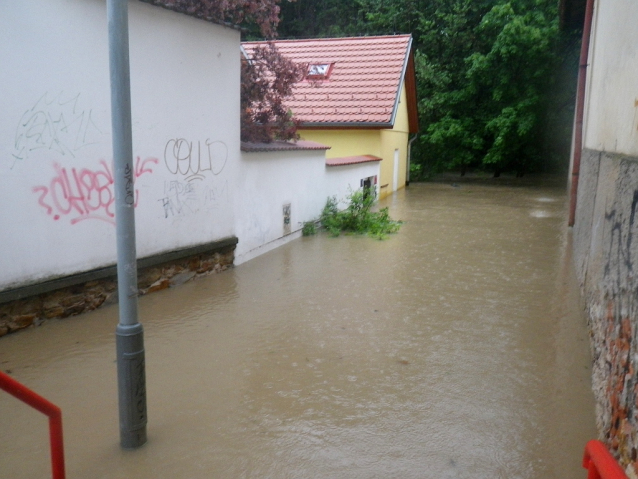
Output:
x=454 y=349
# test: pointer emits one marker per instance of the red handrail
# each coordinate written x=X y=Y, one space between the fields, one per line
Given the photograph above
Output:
x=600 y=463
x=24 y=394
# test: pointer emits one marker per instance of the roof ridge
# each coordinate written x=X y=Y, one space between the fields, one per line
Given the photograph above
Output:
x=327 y=39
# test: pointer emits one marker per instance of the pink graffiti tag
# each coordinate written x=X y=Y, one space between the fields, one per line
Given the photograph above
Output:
x=85 y=194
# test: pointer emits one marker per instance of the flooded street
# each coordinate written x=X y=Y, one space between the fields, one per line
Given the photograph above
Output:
x=454 y=349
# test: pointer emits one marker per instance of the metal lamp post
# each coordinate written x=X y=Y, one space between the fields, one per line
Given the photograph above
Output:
x=129 y=333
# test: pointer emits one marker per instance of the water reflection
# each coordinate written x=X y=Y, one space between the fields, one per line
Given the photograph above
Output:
x=455 y=349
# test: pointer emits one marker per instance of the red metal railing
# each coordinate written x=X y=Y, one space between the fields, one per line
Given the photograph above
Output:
x=600 y=463
x=24 y=394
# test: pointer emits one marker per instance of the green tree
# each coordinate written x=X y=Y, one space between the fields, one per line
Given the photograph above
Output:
x=319 y=18
x=484 y=83
x=495 y=78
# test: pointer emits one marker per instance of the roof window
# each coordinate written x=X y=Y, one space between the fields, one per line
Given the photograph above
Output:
x=319 y=71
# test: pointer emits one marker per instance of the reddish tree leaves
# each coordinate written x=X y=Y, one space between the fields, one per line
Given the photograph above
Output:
x=267 y=79
x=264 y=13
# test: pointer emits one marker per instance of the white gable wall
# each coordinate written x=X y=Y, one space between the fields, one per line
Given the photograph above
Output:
x=56 y=191
x=611 y=116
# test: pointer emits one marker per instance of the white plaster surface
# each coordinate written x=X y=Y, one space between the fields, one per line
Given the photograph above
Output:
x=612 y=111
x=55 y=134
x=269 y=180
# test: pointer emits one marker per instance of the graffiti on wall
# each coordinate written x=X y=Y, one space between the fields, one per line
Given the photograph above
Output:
x=182 y=198
x=57 y=123
x=83 y=194
x=618 y=250
x=193 y=160
x=616 y=359
x=196 y=166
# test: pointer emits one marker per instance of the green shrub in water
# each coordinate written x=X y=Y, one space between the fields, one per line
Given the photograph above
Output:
x=357 y=217
x=309 y=228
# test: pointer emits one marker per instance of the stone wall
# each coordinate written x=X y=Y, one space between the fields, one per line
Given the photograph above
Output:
x=89 y=291
x=606 y=253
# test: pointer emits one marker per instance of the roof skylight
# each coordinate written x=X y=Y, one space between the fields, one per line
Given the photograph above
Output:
x=319 y=71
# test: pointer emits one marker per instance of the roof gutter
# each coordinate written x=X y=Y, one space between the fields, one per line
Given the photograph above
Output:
x=580 y=110
x=346 y=125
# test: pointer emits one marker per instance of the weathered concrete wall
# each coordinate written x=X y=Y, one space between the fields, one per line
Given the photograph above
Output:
x=606 y=255
x=605 y=231
x=84 y=296
x=192 y=184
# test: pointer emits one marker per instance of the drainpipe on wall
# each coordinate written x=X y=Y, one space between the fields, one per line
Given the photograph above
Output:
x=407 y=173
x=580 y=110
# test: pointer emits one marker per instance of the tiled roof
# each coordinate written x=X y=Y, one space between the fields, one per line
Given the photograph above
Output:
x=283 y=146
x=351 y=160
x=363 y=84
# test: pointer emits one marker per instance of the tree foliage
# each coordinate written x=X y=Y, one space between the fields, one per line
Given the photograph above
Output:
x=495 y=78
x=490 y=109
x=319 y=18
x=267 y=79
x=263 y=13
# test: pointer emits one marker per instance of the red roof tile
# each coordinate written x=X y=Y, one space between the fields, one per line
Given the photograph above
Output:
x=363 y=84
x=351 y=160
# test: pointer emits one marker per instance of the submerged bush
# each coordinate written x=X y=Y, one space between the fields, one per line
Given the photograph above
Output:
x=309 y=228
x=357 y=217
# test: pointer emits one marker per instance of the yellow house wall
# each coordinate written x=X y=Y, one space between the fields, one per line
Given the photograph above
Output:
x=346 y=142
x=391 y=140
x=381 y=143
x=401 y=123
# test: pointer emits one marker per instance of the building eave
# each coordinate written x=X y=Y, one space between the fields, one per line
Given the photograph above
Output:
x=360 y=125
x=300 y=145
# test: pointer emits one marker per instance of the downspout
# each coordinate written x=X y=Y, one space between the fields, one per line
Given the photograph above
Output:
x=407 y=173
x=580 y=110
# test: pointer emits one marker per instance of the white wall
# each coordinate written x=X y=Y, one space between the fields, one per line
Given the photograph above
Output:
x=56 y=210
x=611 y=121
x=269 y=180
x=343 y=180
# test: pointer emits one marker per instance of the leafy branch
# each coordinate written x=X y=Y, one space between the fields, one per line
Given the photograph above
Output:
x=357 y=217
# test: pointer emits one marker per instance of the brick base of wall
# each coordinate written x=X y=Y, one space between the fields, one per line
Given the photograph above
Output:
x=154 y=274
x=606 y=260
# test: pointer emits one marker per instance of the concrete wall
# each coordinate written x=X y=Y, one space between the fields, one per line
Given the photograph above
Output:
x=55 y=135
x=194 y=189
x=606 y=230
x=611 y=121
x=278 y=191
x=606 y=255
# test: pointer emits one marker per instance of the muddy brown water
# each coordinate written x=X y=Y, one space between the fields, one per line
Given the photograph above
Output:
x=455 y=349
